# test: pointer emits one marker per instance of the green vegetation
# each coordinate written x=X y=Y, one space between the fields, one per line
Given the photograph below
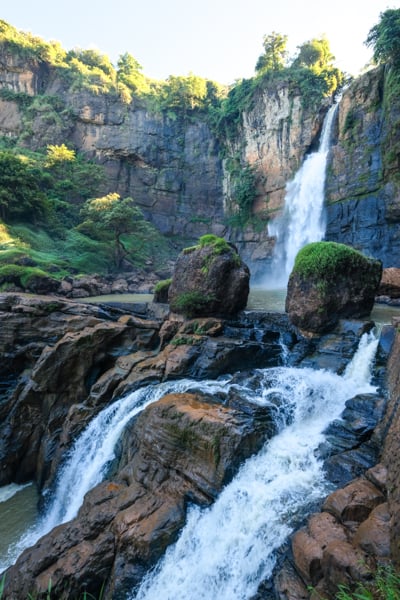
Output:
x=51 y=226
x=385 y=585
x=162 y=285
x=326 y=259
x=191 y=304
x=384 y=38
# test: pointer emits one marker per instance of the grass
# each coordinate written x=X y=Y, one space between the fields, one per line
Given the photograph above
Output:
x=384 y=586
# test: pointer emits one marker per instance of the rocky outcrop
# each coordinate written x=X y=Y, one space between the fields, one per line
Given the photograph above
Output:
x=330 y=281
x=182 y=447
x=209 y=280
x=344 y=543
x=361 y=187
x=389 y=286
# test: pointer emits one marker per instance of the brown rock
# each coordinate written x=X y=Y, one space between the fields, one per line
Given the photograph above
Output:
x=209 y=281
x=354 y=502
x=373 y=535
x=308 y=544
x=342 y=564
x=390 y=283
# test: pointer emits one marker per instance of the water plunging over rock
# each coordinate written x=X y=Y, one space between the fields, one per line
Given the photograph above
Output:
x=303 y=219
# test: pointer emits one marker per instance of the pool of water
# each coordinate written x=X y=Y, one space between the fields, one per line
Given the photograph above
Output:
x=18 y=511
x=259 y=299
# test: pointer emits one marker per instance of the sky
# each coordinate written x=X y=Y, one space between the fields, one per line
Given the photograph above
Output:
x=216 y=39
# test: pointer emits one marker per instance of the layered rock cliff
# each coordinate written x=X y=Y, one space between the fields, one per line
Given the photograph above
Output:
x=180 y=172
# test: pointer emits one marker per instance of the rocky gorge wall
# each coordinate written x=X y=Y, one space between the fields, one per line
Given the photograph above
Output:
x=362 y=187
x=180 y=173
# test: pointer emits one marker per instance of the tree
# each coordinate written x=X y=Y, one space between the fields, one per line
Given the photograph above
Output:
x=185 y=92
x=20 y=193
x=109 y=218
x=314 y=54
x=129 y=72
x=384 y=38
x=275 y=53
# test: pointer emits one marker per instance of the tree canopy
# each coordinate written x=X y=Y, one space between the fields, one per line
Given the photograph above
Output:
x=275 y=53
x=110 y=217
x=384 y=38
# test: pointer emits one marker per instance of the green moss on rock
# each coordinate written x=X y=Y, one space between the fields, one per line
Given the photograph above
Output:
x=325 y=259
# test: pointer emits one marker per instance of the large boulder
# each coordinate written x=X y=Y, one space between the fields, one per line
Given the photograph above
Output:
x=329 y=282
x=183 y=448
x=210 y=279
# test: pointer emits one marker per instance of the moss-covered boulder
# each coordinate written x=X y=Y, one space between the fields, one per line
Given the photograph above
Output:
x=330 y=281
x=209 y=279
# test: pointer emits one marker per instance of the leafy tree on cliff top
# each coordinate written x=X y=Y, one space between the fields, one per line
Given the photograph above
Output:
x=275 y=53
x=384 y=38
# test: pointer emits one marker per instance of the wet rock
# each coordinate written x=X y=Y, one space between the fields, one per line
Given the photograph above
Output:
x=185 y=447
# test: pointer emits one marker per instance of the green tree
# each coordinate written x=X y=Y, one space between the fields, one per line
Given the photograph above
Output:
x=185 y=92
x=314 y=54
x=384 y=38
x=111 y=217
x=275 y=53
x=20 y=193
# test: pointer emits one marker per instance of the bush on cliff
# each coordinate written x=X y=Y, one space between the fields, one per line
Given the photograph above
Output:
x=330 y=281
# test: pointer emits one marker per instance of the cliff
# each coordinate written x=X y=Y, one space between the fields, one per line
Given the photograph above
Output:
x=362 y=188
x=174 y=165
x=184 y=174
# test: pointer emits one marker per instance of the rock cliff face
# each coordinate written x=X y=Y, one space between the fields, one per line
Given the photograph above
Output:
x=362 y=190
x=171 y=166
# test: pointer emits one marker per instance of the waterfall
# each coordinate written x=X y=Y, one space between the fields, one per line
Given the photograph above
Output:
x=303 y=219
x=225 y=551
x=88 y=460
x=252 y=516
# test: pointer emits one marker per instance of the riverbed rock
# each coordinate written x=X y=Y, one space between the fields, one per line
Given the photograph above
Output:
x=183 y=447
x=390 y=283
x=209 y=280
x=330 y=281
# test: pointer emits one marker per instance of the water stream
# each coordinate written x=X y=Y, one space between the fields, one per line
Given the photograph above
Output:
x=253 y=514
x=224 y=552
x=303 y=219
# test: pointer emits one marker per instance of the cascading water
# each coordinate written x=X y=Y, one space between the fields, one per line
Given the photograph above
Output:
x=251 y=518
x=88 y=460
x=303 y=218
x=225 y=551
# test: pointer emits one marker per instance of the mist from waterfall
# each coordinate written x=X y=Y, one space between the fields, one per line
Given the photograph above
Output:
x=303 y=219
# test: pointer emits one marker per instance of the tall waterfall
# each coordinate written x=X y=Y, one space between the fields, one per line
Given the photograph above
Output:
x=303 y=219
x=252 y=516
x=225 y=551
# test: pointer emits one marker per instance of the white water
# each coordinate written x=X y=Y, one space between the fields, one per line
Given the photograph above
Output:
x=250 y=519
x=8 y=491
x=303 y=219
x=224 y=552
x=89 y=458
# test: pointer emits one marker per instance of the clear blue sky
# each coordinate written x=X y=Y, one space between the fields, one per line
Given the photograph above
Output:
x=217 y=39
